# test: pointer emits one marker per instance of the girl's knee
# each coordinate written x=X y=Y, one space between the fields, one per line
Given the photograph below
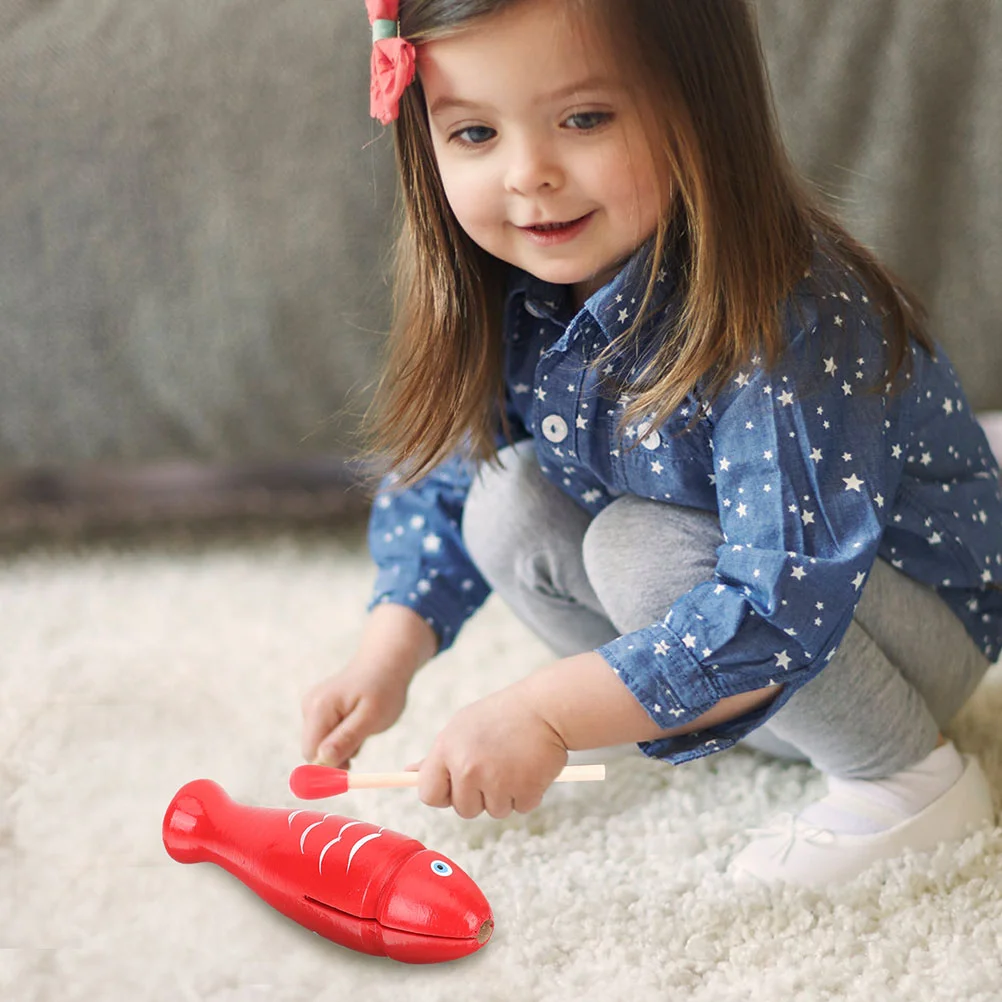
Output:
x=635 y=531
x=641 y=556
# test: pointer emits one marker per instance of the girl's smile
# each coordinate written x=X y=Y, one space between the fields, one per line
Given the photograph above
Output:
x=541 y=149
x=550 y=234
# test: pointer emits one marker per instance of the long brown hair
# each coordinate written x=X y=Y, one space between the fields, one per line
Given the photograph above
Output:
x=743 y=223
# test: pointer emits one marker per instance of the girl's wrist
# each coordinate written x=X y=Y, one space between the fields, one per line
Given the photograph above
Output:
x=589 y=706
x=586 y=704
x=396 y=641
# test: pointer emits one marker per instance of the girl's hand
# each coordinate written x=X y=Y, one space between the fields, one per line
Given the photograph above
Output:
x=345 y=709
x=369 y=695
x=496 y=755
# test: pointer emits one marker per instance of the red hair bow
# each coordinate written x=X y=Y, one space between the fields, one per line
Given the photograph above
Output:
x=393 y=64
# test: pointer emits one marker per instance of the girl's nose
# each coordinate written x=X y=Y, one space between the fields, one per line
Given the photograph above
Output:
x=531 y=168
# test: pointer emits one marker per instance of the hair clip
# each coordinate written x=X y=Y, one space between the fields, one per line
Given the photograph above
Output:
x=393 y=60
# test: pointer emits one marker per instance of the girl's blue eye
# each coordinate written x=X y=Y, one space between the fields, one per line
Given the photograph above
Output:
x=588 y=120
x=475 y=135
x=441 y=868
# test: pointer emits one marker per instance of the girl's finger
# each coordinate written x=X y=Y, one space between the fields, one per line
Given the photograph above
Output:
x=321 y=717
x=334 y=758
x=435 y=785
x=527 y=804
x=315 y=729
x=499 y=806
x=342 y=742
x=341 y=745
x=467 y=800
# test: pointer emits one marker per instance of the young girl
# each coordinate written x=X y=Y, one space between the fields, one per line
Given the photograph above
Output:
x=643 y=386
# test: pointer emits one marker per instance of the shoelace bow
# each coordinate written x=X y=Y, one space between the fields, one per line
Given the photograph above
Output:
x=792 y=829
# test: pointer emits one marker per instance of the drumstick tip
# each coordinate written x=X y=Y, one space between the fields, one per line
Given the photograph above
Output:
x=316 y=781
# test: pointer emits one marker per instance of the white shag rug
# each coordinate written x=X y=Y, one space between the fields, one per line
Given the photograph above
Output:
x=125 y=672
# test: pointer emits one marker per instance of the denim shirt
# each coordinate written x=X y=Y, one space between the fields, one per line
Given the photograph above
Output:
x=813 y=475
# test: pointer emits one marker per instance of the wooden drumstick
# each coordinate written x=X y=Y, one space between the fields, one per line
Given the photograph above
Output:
x=314 y=782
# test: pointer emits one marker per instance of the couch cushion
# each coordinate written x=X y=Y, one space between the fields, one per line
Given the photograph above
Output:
x=192 y=225
x=190 y=228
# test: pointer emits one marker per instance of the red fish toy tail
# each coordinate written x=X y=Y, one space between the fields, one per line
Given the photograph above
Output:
x=188 y=830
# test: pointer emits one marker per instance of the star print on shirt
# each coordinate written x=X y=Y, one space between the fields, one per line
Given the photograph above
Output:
x=798 y=527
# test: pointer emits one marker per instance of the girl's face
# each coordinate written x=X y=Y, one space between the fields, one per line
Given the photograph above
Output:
x=541 y=150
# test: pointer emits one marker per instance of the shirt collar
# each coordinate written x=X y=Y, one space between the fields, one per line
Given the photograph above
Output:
x=613 y=307
x=541 y=299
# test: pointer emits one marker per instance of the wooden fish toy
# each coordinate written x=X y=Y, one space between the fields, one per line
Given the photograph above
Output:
x=359 y=885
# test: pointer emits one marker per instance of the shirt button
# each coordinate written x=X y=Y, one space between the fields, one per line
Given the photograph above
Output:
x=554 y=429
x=533 y=310
x=651 y=441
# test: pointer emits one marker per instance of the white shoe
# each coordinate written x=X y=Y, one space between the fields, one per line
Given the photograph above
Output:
x=794 y=852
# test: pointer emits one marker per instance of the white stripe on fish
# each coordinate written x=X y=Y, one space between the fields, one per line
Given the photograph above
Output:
x=334 y=841
x=358 y=845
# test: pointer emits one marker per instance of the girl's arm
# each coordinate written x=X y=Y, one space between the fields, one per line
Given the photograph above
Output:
x=501 y=753
x=584 y=701
x=368 y=695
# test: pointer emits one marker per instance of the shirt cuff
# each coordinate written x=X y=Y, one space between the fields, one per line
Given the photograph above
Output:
x=675 y=688
x=444 y=609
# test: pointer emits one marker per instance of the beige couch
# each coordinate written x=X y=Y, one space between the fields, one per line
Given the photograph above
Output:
x=195 y=209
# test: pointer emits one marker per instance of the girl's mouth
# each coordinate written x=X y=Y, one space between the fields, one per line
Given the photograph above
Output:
x=548 y=234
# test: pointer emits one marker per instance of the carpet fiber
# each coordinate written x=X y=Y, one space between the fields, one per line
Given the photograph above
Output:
x=127 y=670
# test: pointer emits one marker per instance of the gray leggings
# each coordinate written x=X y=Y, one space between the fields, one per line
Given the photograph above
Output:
x=904 y=668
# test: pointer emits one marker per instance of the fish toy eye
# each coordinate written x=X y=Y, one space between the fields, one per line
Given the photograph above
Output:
x=441 y=868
